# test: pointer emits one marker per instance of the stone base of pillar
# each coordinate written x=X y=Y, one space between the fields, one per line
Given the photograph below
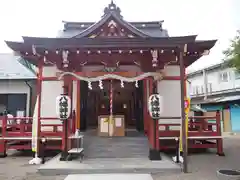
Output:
x=154 y=155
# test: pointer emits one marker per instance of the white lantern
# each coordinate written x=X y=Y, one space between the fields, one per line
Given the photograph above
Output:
x=155 y=106
x=63 y=107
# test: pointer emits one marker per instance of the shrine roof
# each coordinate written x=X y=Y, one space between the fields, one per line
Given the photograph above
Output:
x=150 y=28
x=68 y=43
x=113 y=12
x=112 y=33
x=195 y=48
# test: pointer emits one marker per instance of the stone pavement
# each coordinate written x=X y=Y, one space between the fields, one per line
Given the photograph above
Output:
x=202 y=166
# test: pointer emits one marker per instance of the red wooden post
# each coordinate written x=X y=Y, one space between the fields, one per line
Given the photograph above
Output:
x=55 y=128
x=157 y=136
x=145 y=101
x=39 y=95
x=63 y=127
x=219 y=132
x=150 y=121
x=66 y=90
x=73 y=121
x=3 y=147
x=22 y=127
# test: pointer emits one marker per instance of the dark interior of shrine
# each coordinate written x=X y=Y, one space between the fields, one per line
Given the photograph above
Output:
x=127 y=101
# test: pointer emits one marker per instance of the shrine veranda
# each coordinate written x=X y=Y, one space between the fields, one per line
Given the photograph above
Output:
x=110 y=68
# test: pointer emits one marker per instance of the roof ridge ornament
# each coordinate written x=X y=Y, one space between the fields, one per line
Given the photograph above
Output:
x=112 y=8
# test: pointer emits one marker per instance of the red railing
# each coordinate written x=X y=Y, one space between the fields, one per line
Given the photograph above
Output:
x=199 y=128
x=20 y=129
x=16 y=126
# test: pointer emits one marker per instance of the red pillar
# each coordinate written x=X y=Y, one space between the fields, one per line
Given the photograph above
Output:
x=3 y=147
x=70 y=92
x=145 y=106
x=157 y=136
x=150 y=121
x=65 y=91
x=39 y=95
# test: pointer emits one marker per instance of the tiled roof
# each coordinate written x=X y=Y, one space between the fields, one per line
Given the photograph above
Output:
x=153 y=29
x=11 y=68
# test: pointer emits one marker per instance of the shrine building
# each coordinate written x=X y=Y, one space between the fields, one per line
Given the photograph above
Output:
x=110 y=68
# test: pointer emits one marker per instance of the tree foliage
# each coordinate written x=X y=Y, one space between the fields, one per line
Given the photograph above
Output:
x=232 y=54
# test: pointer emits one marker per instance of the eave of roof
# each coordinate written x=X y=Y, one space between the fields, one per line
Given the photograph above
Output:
x=56 y=43
x=42 y=44
x=175 y=39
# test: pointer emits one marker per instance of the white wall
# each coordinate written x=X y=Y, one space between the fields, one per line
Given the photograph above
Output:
x=50 y=91
x=213 y=78
x=171 y=71
x=171 y=92
x=217 y=85
x=16 y=87
x=74 y=95
x=50 y=71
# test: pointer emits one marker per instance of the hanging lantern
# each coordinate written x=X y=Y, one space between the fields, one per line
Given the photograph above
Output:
x=63 y=107
x=155 y=106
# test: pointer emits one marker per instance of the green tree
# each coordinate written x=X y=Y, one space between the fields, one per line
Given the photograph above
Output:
x=232 y=54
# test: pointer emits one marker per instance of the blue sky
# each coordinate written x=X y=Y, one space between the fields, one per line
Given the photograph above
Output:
x=210 y=19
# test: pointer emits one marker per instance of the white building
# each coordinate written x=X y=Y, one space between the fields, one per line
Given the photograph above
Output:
x=215 y=80
x=218 y=88
x=17 y=85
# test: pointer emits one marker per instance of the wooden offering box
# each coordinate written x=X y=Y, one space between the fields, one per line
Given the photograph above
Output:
x=105 y=127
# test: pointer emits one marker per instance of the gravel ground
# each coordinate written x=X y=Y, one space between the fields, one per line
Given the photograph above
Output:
x=201 y=166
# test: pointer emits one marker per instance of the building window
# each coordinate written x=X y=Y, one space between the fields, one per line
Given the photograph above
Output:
x=202 y=89
x=224 y=76
x=197 y=90
x=237 y=74
x=209 y=87
x=194 y=90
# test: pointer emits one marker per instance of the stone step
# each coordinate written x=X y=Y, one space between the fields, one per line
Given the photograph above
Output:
x=108 y=165
x=102 y=147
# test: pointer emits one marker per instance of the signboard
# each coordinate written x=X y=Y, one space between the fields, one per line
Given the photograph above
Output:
x=63 y=107
x=155 y=106
x=187 y=103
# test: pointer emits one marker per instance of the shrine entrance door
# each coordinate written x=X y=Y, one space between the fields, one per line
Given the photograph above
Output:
x=127 y=102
